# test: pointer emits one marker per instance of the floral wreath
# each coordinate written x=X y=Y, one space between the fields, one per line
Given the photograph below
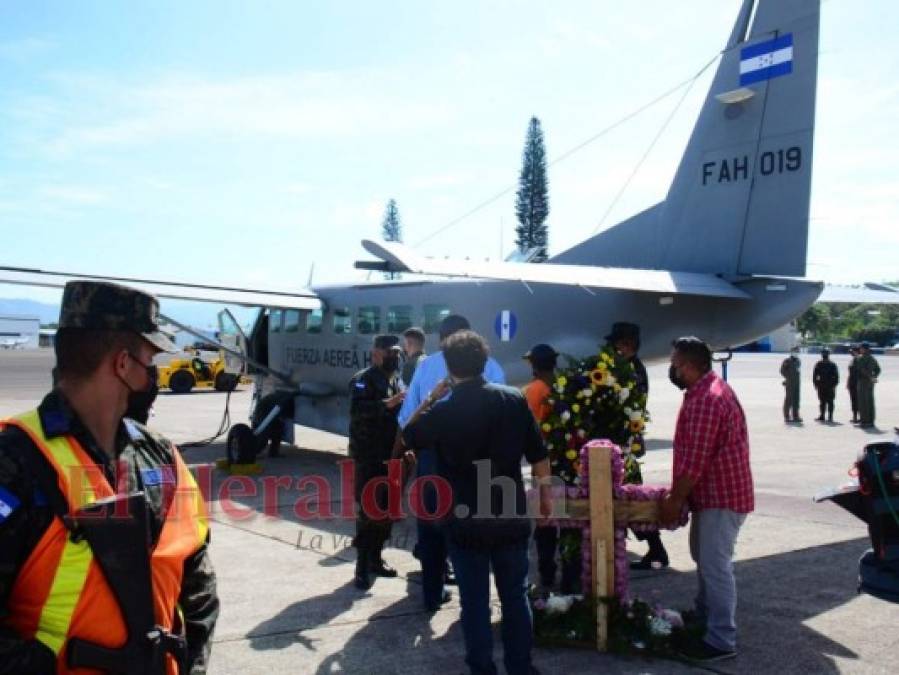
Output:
x=596 y=397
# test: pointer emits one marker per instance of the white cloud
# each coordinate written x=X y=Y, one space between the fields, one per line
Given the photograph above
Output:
x=73 y=194
x=305 y=105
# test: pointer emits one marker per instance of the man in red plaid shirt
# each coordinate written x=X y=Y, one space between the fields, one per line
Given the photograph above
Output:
x=712 y=475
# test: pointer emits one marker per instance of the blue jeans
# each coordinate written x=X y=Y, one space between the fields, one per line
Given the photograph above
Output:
x=510 y=573
x=713 y=535
x=431 y=546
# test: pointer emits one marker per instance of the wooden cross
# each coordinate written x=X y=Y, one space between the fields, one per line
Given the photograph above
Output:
x=604 y=513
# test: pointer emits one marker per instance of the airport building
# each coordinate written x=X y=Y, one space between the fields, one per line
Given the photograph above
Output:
x=19 y=332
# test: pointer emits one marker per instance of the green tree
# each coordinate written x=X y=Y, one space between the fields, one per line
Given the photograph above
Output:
x=392 y=230
x=815 y=323
x=532 y=198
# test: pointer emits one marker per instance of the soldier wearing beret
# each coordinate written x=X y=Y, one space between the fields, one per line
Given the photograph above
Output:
x=375 y=399
x=76 y=448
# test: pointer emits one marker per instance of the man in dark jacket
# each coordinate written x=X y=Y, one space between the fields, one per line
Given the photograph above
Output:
x=375 y=399
x=480 y=435
x=826 y=377
x=625 y=338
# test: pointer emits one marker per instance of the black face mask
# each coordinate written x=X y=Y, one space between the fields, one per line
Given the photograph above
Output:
x=390 y=364
x=140 y=401
x=676 y=379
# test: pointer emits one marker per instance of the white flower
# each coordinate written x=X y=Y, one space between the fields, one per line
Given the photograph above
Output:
x=635 y=416
x=560 y=389
x=567 y=437
x=588 y=392
x=581 y=433
x=628 y=411
x=611 y=380
x=566 y=416
x=559 y=604
x=658 y=626
x=672 y=617
x=623 y=394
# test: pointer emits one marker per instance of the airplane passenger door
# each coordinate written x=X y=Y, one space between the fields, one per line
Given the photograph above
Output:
x=231 y=335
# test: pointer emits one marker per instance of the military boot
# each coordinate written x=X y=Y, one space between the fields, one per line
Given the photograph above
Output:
x=362 y=580
x=377 y=566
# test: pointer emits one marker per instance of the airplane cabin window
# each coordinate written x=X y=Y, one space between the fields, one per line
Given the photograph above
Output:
x=343 y=321
x=314 y=321
x=291 y=321
x=369 y=320
x=399 y=318
x=274 y=322
x=434 y=315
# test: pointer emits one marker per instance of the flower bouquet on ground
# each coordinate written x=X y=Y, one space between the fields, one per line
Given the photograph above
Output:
x=636 y=627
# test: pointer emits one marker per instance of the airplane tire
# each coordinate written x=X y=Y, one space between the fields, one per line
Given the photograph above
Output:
x=225 y=382
x=181 y=382
x=242 y=445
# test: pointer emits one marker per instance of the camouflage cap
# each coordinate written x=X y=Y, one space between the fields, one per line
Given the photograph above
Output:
x=104 y=306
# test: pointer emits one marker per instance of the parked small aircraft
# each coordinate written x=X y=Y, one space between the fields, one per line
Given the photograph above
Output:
x=13 y=343
x=721 y=257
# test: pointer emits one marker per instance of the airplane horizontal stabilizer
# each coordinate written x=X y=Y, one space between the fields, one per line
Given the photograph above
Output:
x=859 y=296
x=400 y=258
x=223 y=295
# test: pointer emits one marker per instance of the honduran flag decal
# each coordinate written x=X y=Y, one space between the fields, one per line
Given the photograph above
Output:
x=766 y=60
x=506 y=325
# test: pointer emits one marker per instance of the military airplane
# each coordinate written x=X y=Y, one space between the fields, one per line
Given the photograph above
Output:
x=722 y=257
x=13 y=343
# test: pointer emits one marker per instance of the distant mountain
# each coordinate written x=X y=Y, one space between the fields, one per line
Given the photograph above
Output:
x=48 y=313
x=199 y=314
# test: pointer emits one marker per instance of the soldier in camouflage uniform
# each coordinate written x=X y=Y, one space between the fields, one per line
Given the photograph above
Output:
x=375 y=399
x=108 y=335
x=789 y=369
x=868 y=371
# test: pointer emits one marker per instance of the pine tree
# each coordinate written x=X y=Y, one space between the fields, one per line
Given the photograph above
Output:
x=392 y=229
x=532 y=198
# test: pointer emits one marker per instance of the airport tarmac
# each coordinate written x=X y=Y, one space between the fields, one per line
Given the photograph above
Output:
x=289 y=606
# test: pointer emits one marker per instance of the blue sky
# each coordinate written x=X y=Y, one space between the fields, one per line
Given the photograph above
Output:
x=242 y=142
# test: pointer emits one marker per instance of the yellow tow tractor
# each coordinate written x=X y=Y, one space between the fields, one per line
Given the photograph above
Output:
x=181 y=375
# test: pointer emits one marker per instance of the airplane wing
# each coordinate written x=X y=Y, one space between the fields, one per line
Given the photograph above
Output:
x=399 y=258
x=872 y=294
x=304 y=299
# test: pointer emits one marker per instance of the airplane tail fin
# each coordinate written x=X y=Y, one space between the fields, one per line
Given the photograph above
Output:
x=739 y=201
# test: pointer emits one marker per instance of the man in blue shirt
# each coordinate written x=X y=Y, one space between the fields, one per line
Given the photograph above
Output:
x=431 y=547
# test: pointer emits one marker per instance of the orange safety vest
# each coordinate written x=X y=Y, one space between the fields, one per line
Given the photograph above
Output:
x=60 y=592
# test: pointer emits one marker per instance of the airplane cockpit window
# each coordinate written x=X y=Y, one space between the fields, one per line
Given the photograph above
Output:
x=291 y=321
x=343 y=321
x=314 y=321
x=399 y=318
x=434 y=314
x=368 y=320
x=274 y=322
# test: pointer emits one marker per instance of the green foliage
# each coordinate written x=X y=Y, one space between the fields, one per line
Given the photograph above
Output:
x=532 y=198
x=842 y=322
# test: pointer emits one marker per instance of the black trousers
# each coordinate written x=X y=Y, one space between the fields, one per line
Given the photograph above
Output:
x=853 y=398
x=826 y=396
x=546 y=538
x=372 y=529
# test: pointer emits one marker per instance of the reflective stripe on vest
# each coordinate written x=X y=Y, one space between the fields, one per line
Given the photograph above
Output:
x=60 y=592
